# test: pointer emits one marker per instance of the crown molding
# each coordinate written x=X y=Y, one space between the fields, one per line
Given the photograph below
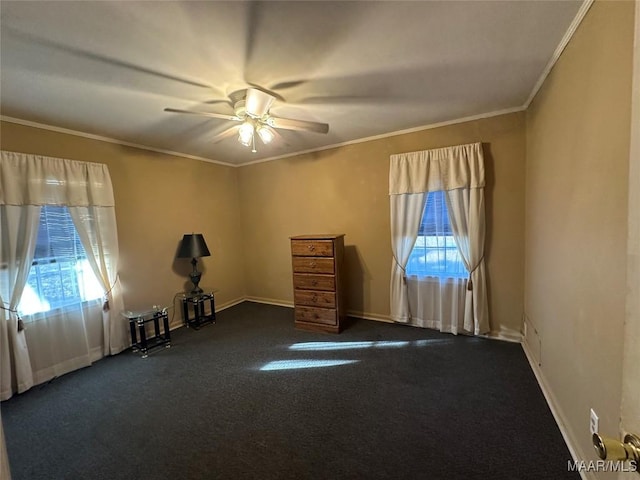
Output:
x=390 y=134
x=279 y=157
x=91 y=136
x=577 y=20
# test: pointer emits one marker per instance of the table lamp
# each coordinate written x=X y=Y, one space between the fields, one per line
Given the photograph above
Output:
x=193 y=246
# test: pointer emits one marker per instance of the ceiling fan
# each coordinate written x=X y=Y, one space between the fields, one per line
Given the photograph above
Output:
x=252 y=113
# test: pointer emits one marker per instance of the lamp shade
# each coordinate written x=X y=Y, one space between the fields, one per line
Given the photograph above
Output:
x=193 y=246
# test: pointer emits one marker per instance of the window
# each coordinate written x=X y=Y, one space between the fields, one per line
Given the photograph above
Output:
x=60 y=274
x=435 y=252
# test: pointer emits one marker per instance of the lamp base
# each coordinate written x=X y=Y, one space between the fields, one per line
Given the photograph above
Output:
x=195 y=276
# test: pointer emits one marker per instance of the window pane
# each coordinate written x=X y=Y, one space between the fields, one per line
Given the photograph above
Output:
x=435 y=252
x=60 y=274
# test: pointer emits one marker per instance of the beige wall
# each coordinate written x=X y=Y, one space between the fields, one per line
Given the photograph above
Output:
x=576 y=220
x=248 y=214
x=345 y=190
x=158 y=199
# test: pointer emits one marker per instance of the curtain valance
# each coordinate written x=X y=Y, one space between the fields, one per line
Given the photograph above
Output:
x=38 y=180
x=446 y=168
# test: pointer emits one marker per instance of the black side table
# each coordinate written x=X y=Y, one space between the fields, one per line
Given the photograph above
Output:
x=139 y=320
x=194 y=311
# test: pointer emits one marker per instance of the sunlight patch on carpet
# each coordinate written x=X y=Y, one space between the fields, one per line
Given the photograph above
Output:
x=297 y=364
x=319 y=346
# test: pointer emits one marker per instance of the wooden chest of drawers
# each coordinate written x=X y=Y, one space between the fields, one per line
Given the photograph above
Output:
x=317 y=288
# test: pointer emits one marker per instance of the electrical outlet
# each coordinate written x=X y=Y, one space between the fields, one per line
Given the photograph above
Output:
x=593 y=422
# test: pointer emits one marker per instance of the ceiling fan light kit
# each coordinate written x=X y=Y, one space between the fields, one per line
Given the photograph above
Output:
x=253 y=113
x=248 y=129
x=245 y=133
x=266 y=133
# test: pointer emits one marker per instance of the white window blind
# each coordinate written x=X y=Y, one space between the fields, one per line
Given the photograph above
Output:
x=435 y=252
x=60 y=274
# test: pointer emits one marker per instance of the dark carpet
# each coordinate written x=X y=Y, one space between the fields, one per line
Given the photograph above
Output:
x=232 y=401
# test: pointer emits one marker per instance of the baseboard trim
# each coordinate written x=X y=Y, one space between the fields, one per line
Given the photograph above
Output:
x=556 y=411
x=504 y=336
x=230 y=303
x=370 y=316
x=350 y=313
x=269 y=301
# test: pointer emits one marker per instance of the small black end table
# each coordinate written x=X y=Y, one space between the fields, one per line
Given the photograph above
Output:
x=194 y=311
x=139 y=320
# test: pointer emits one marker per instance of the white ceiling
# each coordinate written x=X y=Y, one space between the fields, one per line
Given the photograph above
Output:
x=365 y=68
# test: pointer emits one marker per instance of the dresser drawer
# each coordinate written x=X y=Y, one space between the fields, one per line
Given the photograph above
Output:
x=312 y=248
x=314 y=282
x=315 y=298
x=313 y=265
x=324 y=316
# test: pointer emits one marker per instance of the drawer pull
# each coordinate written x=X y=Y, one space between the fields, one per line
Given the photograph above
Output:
x=314 y=282
x=311 y=247
x=314 y=299
x=313 y=264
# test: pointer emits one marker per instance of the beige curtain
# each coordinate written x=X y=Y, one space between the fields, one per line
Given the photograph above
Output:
x=18 y=229
x=438 y=303
x=406 y=212
x=39 y=180
x=71 y=337
x=466 y=213
x=97 y=229
x=459 y=171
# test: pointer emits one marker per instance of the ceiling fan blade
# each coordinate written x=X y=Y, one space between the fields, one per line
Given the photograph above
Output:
x=258 y=103
x=288 y=84
x=280 y=139
x=107 y=61
x=226 y=133
x=301 y=125
x=215 y=102
x=205 y=114
x=254 y=12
